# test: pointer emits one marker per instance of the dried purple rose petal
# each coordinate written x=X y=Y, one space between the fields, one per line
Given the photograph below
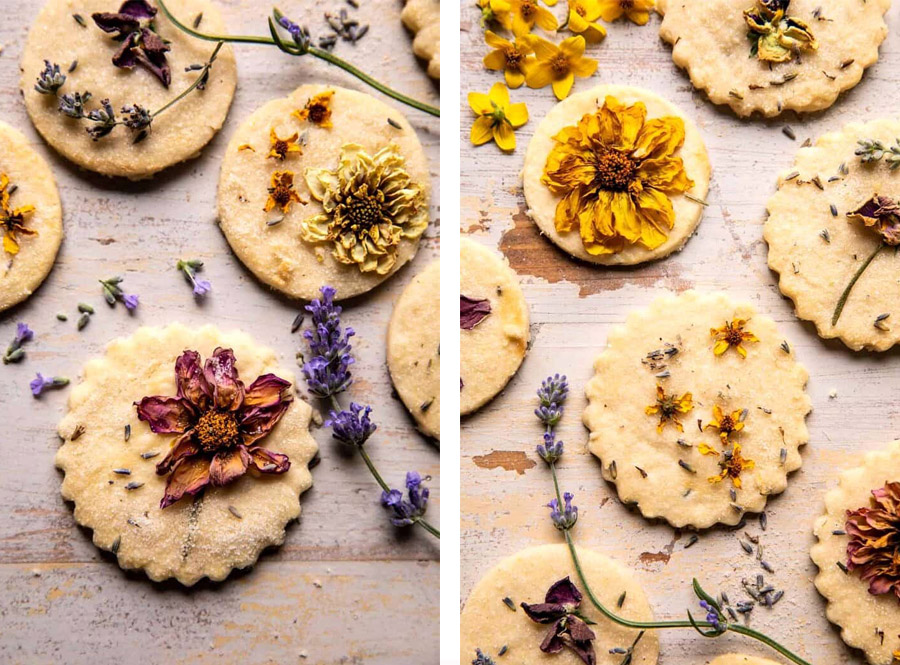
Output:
x=569 y=630
x=472 y=312
x=883 y=214
x=131 y=25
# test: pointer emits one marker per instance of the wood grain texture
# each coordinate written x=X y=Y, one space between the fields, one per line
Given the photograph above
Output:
x=574 y=306
x=345 y=578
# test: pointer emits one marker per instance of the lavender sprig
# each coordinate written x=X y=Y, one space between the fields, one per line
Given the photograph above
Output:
x=406 y=512
x=15 y=352
x=190 y=268
x=50 y=80
x=327 y=372
x=114 y=293
x=40 y=383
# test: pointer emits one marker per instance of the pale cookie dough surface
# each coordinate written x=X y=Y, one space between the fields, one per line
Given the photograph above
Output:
x=188 y=540
x=769 y=383
x=21 y=274
x=414 y=349
x=491 y=352
x=276 y=254
x=739 y=659
x=423 y=18
x=814 y=272
x=858 y=613
x=542 y=202
x=710 y=42
x=176 y=135
x=488 y=624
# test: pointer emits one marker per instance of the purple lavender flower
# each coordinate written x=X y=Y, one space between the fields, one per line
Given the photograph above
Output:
x=202 y=287
x=552 y=394
x=712 y=615
x=563 y=519
x=189 y=269
x=482 y=659
x=406 y=512
x=15 y=352
x=40 y=383
x=351 y=427
x=300 y=34
x=551 y=450
x=131 y=302
x=23 y=334
x=50 y=80
x=327 y=372
x=114 y=293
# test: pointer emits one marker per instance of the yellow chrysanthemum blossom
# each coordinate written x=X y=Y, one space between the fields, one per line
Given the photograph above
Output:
x=732 y=465
x=777 y=37
x=583 y=15
x=523 y=15
x=636 y=11
x=727 y=423
x=12 y=220
x=512 y=58
x=496 y=117
x=317 y=109
x=732 y=335
x=559 y=65
x=615 y=171
x=668 y=408
x=370 y=204
x=280 y=148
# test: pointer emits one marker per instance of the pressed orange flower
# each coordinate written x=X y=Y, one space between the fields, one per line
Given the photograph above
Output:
x=525 y=14
x=512 y=58
x=282 y=192
x=732 y=335
x=615 y=171
x=732 y=465
x=637 y=11
x=317 y=109
x=583 y=15
x=496 y=117
x=668 y=407
x=559 y=65
x=281 y=148
x=12 y=220
x=727 y=423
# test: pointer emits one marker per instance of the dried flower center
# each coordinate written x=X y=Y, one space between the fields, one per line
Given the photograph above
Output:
x=317 y=112
x=614 y=171
x=580 y=11
x=363 y=211
x=281 y=148
x=216 y=430
x=560 y=64
x=282 y=195
x=513 y=59
x=626 y=4
x=727 y=424
x=734 y=336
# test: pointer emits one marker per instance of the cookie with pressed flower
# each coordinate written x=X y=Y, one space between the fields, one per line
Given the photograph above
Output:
x=325 y=186
x=30 y=218
x=185 y=451
x=832 y=231
x=423 y=19
x=697 y=410
x=414 y=349
x=493 y=324
x=770 y=56
x=616 y=175
x=519 y=601
x=740 y=659
x=96 y=75
x=855 y=553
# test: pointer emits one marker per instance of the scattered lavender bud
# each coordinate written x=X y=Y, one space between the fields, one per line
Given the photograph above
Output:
x=41 y=383
x=15 y=352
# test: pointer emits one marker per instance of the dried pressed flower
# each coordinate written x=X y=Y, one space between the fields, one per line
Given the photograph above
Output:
x=497 y=118
x=132 y=25
x=568 y=629
x=317 y=109
x=726 y=424
x=104 y=119
x=732 y=335
x=873 y=150
x=136 y=117
x=512 y=58
x=636 y=11
x=282 y=193
x=615 y=171
x=732 y=465
x=559 y=65
x=583 y=15
x=370 y=204
x=472 y=311
x=874 y=537
x=669 y=407
x=775 y=36
x=280 y=148
x=219 y=423
x=881 y=213
x=73 y=105
x=12 y=220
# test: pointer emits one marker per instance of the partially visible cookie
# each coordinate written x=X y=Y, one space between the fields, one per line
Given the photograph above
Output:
x=817 y=244
x=30 y=218
x=868 y=622
x=414 y=349
x=493 y=320
x=697 y=410
x=488 y=624
x=423 y=18
x=607 y=173
x=118 y=471
x=739 y=659
x=65 y=34
x=325 y=186
x=797 y=59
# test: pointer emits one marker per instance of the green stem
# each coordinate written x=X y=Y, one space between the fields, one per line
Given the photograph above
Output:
x=846 y=294
x=316 y=52
x=200 y=78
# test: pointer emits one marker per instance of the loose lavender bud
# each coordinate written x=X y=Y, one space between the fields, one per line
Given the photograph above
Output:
x=403 y=512
x=352 y=427
x=202 y=287
x=189 y=268
x=552 y=394
x=551 y=450
x=327 y=372
x=563 y=519
x=15 y=352
x=131 y=302
x=113 y=293
x=41 y=383
x=50 y=80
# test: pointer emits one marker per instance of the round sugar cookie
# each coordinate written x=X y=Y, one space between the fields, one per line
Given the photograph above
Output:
x=868 y=622
x=685 y=426
x=110 y=459
x=414 y=349
x=31 y=237
x=816 y=249
x=488 y=624
x=423 y=19
x=740 y=659
x=176 y=135
x=710 y=40
x=493 y=325
x=280 y=247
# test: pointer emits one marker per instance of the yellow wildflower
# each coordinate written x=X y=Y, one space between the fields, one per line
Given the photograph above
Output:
x=281 y=148
x=282 y=192
x=495 y=11
x=559 y=65
x=637 y=11
x=524 y=14
x=668 y=407
x=12 y=220
x=317 y=109
x=732 y=465
x=727 y=423
x=732 y=334
x=615 y=171
x=583 y=15
x=512 y=58
x=496 y=117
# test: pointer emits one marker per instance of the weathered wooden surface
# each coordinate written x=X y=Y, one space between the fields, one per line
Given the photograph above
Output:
x=573 y=307
x=346 y=587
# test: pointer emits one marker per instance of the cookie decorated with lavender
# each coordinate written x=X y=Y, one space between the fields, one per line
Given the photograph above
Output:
x=325 y=186
x=493 y=324
x=697 y=410
x=30 y=218
x=414 y=349
x=833 y=231
x=518 y=604
x=98 y=76
x=771 y=56
x=185 y=451
x=856 y=555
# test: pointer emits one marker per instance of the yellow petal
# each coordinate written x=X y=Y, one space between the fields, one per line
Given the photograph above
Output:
x=10 y=244
x=499 y=95
x=480 y=103
x=544 y=50
x=610 y=10
x=539 y=76
x=495 y=60
x=514 y=79
x=720 y=347
x=517 y=114
x=495 y=40
x=562 y=86
x=584 y=67
x=546 y=20
x=577 y=22
x=572 y=47
x=504 y=137
x=481 y=131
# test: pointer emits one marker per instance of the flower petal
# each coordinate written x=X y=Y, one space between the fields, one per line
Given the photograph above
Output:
x=562 y=87
x=480 y=103
x=564 y=592
x=222 y=377
x=544 y=612
x=190 y=476
x=267 y=398
x=499 y=95
x=517 y=114
x=266 y=461
x=185 y=446
x=504 y=137
x=166 y=415
x=228 y=465
x=190 y=381
x=573 y=47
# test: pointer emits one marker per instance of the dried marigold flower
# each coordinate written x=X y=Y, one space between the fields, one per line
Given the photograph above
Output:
x=317 y=109
x=727 y=423
x=280 y=148
x=732 y=465
x=732 y=335
x=12 y=220
x=282 y=193
x=668 y=407
x=874 y=533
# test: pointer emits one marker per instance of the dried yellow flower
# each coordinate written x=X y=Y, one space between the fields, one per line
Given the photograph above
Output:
x=512 y=58
x=668 y=407
x=776 y=37
x=583 y=15
x=497 y=118
x=317 y=109
x=636 y=11
x=282 y=193
x=280 y=148
x=727 y=423
x=732 y=465
x=12 y=220
x=732 y=335
x=558 y=66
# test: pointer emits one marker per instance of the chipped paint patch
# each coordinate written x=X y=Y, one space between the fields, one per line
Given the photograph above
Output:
x=508 y=460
